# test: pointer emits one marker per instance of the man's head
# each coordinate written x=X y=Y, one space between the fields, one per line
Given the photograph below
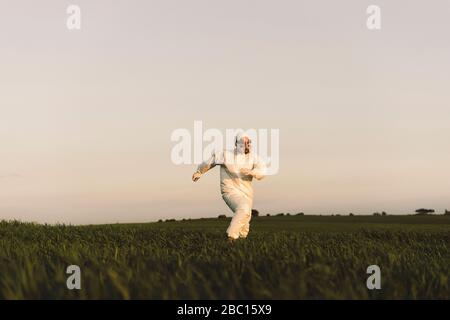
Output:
x=243 y=143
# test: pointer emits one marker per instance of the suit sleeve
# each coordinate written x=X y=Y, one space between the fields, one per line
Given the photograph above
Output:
x=208 y=164
x=259 y=170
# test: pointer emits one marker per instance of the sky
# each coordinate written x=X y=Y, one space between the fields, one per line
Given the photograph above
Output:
x=86 y=115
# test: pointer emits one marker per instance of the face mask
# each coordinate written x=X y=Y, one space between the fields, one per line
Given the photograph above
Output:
x=240 y=145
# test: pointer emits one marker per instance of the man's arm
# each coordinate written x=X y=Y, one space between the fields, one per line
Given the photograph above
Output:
x=204 y=167
x=259 y=169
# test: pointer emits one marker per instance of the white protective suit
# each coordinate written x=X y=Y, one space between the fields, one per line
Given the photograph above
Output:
x=237 y=169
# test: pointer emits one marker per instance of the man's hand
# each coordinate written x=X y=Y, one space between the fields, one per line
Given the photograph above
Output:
x=246 y=172
x=196 y=176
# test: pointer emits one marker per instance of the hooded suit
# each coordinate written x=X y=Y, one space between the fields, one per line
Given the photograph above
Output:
x=237 y=170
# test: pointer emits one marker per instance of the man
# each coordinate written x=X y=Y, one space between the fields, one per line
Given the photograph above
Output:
x=238 y=167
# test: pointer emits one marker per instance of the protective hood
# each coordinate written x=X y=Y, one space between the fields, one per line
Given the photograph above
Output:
x=240 y=146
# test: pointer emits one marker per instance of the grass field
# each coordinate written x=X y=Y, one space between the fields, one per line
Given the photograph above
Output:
x=290 y=257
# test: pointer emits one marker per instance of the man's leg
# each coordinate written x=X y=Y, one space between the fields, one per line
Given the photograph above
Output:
x=241 y=206
x=238 y=223
x=246 y=227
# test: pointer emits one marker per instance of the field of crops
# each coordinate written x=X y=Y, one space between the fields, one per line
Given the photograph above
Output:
x=289 y=257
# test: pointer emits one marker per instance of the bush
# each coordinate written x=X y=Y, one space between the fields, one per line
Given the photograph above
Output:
x=222 y=216
x=423 y=211
x=300 y=214
x=280 y=214
x=255 y=213
x=376 y=214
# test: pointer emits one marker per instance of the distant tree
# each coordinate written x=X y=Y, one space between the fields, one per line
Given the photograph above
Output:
x=351 y=214
x=255 y=213
x=423 y=211
x=268 y=215
x=170 y=220
x=222 y=216
x=384 y=213
x=300 y=214
x=288 y=214
x=446 y=212
x=376 y=214
x=160 y=220
x=280 y=214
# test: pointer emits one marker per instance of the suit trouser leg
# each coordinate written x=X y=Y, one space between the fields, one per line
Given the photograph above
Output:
x=246 y=226
x=240 y=223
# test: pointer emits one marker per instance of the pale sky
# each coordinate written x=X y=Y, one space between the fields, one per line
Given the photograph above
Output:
x=86 y=116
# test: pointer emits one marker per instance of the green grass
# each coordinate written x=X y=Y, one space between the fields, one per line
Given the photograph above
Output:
x=290 y=257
